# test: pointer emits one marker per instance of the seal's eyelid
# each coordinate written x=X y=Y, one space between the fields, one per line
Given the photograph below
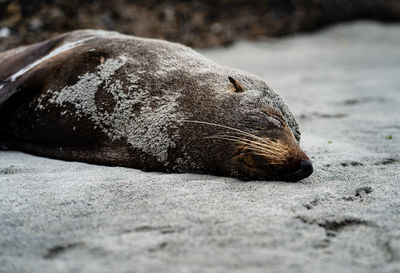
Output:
x=274 y=119
x=236 y=84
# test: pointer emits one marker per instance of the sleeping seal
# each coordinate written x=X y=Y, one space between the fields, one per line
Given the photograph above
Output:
x=107 y=98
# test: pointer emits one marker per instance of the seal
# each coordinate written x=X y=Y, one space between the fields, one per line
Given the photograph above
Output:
x=107 y=98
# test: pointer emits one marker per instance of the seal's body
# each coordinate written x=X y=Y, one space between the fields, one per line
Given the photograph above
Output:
x=107 y=98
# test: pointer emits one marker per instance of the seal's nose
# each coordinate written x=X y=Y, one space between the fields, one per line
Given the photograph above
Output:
x=305 y=170
x=306 y=167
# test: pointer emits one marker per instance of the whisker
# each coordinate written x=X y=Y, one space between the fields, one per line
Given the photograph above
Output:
x=259 y=146
x=278 y=154
x=237 y=139
x=269 y=157
x=226 y=127
x=233 y=140
x=256 y=148
x=263 y=140
x=266 y=146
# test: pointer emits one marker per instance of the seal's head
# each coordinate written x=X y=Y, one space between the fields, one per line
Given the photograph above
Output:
x=269 y=154
x=257 y=138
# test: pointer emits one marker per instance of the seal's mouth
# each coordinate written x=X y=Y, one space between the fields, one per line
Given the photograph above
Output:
x=304 y=170
x=285 y=163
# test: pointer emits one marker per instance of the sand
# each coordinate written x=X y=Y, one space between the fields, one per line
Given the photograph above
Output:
x=343 y=85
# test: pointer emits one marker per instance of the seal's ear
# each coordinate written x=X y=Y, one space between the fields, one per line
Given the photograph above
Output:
x=236 y=84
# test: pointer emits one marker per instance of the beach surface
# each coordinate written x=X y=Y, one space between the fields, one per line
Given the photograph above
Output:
x=342 y=84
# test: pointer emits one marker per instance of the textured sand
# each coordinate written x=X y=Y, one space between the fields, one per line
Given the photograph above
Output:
x=343 y=84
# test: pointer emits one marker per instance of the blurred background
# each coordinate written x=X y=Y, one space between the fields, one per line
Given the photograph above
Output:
x=200 y=24
x=342 y=84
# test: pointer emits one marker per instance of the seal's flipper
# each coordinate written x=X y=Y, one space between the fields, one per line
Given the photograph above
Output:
x=29 y=72
x=14 y=61
x=25 y=68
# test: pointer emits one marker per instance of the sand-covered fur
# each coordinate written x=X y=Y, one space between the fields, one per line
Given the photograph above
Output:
x=109 y=98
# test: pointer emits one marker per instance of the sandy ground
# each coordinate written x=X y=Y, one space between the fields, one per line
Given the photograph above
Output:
x=343 y=84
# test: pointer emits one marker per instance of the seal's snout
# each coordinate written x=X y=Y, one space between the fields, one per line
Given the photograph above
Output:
x=306 y=166
x=305 y=170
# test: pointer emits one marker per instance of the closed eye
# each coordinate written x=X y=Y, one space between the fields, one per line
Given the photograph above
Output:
x=272 y=118
x=276 y=122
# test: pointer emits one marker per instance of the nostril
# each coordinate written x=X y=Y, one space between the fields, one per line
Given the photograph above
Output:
x=306 y=166
x=305 y=170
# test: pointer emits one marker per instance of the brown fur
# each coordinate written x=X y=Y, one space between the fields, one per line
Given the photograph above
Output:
x=106 y=98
